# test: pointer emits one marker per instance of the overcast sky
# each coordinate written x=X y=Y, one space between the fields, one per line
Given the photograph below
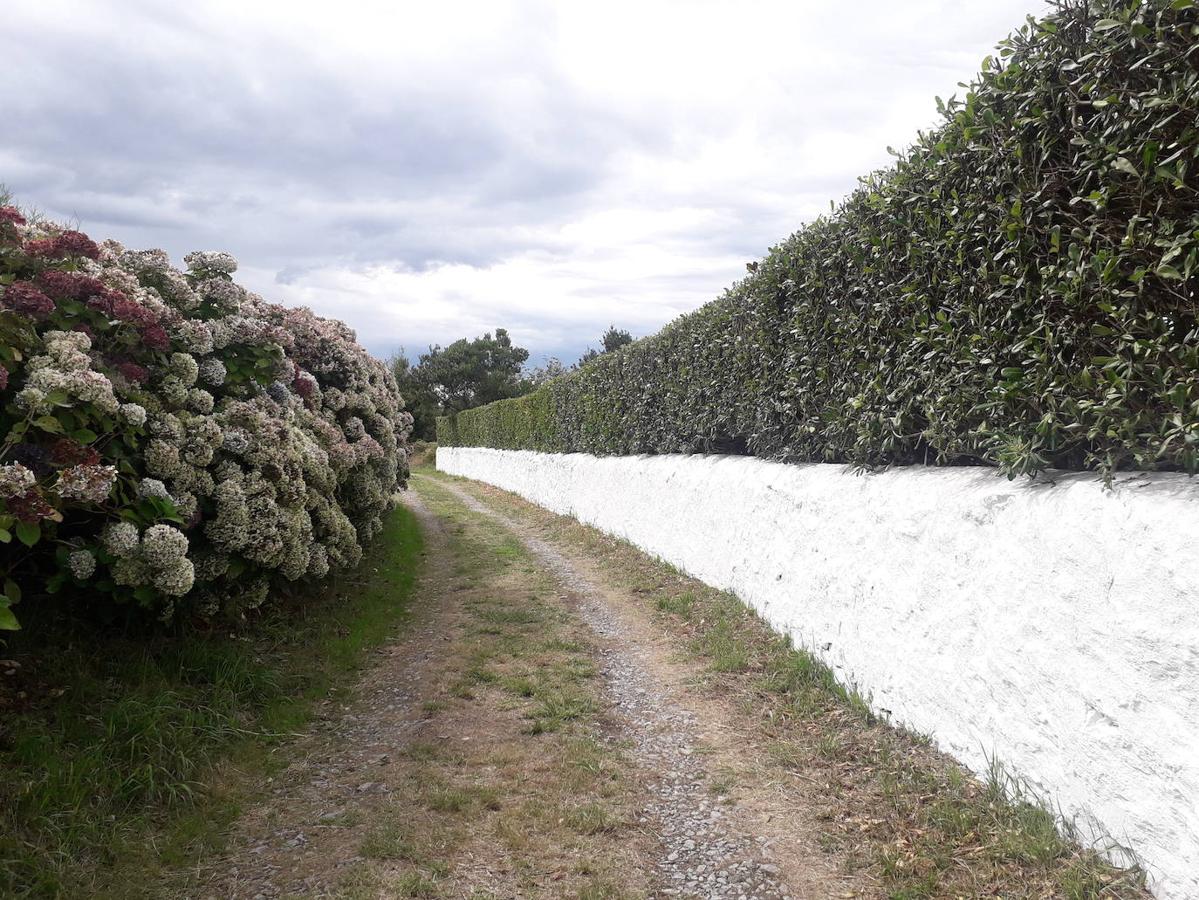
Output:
x=428 y=171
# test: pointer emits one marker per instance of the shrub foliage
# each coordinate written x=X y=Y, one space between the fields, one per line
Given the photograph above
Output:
x=170 y=440
x=1018 y=289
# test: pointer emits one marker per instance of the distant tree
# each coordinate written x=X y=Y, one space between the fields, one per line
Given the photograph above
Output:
x=418 y=398
x=465 y=374
x=614 y=338
x=539 y=376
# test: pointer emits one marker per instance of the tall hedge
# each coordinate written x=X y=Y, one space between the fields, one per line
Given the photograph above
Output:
x=1018 y=289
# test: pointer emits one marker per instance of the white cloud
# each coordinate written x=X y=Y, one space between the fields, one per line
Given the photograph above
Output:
x=430 y=171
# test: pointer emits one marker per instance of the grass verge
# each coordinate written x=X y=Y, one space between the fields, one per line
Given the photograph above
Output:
x=126 y=755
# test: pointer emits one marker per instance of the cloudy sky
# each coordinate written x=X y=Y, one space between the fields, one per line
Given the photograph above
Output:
x=427 y=171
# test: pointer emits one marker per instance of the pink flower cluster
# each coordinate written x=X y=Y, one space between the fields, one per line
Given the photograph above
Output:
x=69 y=285
x=63 y=244
x=23 y=297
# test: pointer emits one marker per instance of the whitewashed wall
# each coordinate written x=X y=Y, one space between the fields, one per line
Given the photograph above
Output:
x=1051 y=625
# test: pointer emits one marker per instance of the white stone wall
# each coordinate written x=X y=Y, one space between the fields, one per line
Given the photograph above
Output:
x=1052 y=625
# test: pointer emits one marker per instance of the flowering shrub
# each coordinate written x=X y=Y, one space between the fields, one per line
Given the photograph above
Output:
x=172 y=440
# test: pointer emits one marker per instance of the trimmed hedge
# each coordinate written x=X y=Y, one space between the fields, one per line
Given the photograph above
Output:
x=1019 y=289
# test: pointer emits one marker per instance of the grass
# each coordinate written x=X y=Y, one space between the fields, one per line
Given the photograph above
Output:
x=932 y=829
x=118 y=764
x=887 y=800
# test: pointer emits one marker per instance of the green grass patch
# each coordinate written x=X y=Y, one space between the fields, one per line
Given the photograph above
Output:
x=116 y=769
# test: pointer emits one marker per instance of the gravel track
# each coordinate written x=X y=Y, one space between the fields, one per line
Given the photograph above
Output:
x=704 y=854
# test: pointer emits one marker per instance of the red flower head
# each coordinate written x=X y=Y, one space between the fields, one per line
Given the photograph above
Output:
x=68 y=452
x=102 y=301
x=24 y=298
x=155 y=337
x=69 y=243
x=41 y=247
x=3 y=377
x=133 y=372
x=10 y=215
x=303 y=383
x=76 y=243
x=68 y=285
x=116 y=305
x=30 y=507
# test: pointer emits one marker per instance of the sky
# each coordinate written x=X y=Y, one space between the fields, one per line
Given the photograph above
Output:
x=430 y=171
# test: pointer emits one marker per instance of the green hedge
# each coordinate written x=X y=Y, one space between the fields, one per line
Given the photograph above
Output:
x=1019 y=289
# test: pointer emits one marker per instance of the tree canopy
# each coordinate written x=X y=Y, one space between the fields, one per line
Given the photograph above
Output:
x=463 y=375
x=614 y=338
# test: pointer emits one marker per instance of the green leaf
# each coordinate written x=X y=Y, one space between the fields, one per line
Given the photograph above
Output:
x=29 y=533
x=1107 y=24
x=1169 y=272
x=5 y=536
x=12 y=591
x=8 y=622
x=84 y=435
x=48 y=423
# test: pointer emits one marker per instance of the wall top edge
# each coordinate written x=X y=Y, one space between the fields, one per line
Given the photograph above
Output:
x=1169 y=485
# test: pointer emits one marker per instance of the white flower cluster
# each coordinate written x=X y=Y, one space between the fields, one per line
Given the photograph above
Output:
x=133 y=415
x=120 y=539
x=91 y=484
x=152 y=487
x=82 y=564
x=195 y=335
x=65 y=368
x=15 y=480
x=214 y=262
x=160 y=560
x=213 y=372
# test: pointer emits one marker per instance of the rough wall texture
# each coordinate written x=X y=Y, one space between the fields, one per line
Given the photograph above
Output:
x=1050 y=625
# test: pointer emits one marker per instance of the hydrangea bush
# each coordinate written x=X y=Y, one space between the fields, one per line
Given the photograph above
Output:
x=173 y=441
